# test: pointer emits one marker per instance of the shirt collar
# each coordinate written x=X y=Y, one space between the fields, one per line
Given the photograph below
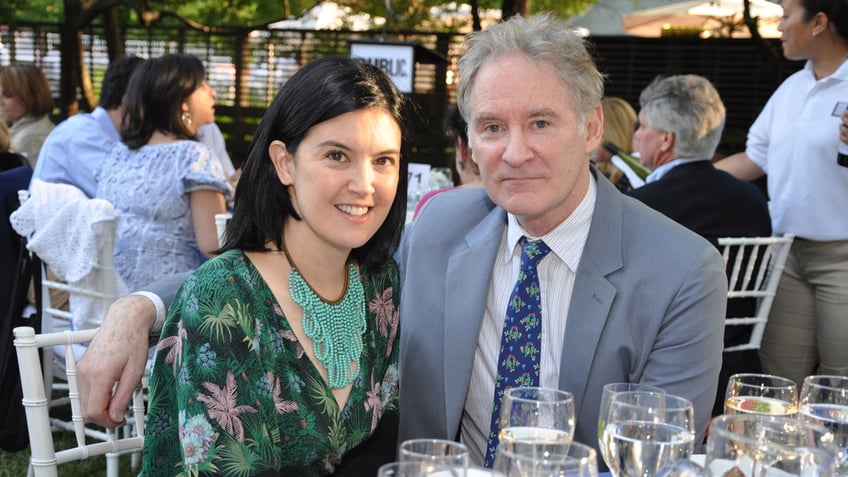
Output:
x=567 y=239
x=657 y=173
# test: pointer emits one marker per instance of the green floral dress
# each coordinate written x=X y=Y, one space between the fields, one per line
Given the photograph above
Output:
x=233 y=393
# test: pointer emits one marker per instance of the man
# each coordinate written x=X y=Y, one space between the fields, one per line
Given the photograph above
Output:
x=680 y=125
x=619 y=307
x=626 y=295
x=74 y=149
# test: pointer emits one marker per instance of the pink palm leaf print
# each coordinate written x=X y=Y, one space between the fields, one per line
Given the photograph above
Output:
x=373 y=401
x=281 y=405
x=221 y=406
x=175 y=355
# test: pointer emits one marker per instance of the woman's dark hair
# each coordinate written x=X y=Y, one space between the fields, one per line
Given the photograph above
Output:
x=836 y=11
x=320 y=91
x=155 y=94
x=116 y=79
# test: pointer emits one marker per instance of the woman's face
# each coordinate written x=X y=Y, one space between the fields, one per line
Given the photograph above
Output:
x=11 y=108
x=343 y=177
x=201 y=106
x=796 y=36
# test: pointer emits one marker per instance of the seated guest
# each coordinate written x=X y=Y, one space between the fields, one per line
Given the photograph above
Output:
x=680 y=125
x=211 y=135
x=25 y=103
x=619 y=121
x=166 y=185
x=75 y=149
x=279 y=356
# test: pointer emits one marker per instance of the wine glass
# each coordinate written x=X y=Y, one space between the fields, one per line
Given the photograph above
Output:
x=760 y=445
x=609 y=390
x=824 y=400
x=439 y=452
x=418 y=469
x=536 y=414
x=520 y=458
x=647 y=430
x=761 y=394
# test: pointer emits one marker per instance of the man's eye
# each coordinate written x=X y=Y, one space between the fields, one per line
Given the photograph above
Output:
x=541 y=124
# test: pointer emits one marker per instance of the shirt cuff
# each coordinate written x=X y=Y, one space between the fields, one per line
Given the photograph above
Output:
x=160 y=310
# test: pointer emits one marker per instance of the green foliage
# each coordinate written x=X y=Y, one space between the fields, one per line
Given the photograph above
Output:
x=31 y=11
x=562 y=8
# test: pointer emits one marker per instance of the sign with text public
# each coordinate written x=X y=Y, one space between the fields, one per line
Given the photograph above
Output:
x=396 y=59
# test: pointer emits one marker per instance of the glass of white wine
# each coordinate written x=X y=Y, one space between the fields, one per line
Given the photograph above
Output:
x=610 y=390
x=534 y=459
x=646 y=431
x=537 y=414
x=749 y=393
x=434 y=452
x=824 y=400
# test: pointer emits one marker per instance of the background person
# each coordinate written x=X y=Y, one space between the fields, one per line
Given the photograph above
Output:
x=680 y=125
x=627 y=295
x=619 y=123
x=794 y=141
x=307 y=267
x=25 y=103
x=166 y=186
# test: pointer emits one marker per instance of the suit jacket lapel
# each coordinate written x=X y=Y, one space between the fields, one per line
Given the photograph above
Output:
x=467 y=287
x=593 y=293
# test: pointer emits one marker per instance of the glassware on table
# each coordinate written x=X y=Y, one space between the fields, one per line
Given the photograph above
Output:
x=536 y=414
x=760 y=445
x=534 y=459
x=609 y=390
x=824 y=400
x=419 y=469
x=439 y=452
x=761 y=394
x=647 y=430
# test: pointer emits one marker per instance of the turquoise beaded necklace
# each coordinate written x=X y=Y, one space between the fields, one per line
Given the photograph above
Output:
x=335 y=327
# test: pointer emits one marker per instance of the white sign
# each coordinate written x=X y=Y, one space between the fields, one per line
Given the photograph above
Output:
x=396 y=60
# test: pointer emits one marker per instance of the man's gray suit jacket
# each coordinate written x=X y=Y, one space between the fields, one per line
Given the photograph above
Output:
x=648 y=306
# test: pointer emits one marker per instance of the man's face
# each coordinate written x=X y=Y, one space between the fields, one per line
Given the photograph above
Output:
x=524 y=135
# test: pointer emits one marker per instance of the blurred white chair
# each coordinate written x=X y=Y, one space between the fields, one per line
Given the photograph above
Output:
x=44 y=457
x=221 y=226
x=754 y=266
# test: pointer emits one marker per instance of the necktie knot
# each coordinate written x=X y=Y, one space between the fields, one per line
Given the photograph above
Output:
x=532 y=252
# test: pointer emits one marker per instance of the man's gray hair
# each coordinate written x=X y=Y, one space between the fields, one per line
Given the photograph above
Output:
x=544 y=39
x=691 y=108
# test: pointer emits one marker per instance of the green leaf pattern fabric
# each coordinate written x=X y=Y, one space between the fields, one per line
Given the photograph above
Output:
x=233 y=393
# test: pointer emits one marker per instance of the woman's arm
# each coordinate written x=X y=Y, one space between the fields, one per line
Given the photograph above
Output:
x=205 y=203
x=741 y=166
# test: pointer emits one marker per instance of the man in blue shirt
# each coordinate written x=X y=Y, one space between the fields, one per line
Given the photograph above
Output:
x=75 y=148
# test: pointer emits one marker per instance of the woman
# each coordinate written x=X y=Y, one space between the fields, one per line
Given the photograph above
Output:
x=166 y=186
x=619 y=122
x=25 y=102
x=280 y=355
x=794 y=140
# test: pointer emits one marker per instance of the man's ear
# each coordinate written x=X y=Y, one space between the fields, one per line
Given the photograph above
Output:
x=283 y=162
x=594 y=129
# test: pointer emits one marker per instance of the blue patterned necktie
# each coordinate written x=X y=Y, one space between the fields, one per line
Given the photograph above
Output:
x=521 y=344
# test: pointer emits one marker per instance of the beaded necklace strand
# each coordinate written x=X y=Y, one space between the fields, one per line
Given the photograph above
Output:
x=335 y=327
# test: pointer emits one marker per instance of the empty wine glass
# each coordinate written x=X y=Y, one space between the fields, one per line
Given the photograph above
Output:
x=543 y=459
x=749 y=393
x=439 y=452
x=609 y=390
x=759 y=445
x=419 y=469
x=537 y=414
x=647 y=430
x=824 y=400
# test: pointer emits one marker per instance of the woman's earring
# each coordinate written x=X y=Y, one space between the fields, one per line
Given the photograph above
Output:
x=816 y=33
x=186 y=118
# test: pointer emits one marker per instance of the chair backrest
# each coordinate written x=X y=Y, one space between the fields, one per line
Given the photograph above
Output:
x=44 y=458
x=754 y=267
x=221 y=226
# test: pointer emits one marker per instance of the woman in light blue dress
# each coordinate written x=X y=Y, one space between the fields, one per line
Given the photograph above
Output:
x=166 y=185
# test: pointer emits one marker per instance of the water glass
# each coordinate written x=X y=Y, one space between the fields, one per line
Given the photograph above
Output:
x=419 y=469
x=759 y=445
x=528 y=459
x=749 y=393
x=609 y=390
x=439 y=452
x=647 y=430
x=536 y=414
x=824 y=400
